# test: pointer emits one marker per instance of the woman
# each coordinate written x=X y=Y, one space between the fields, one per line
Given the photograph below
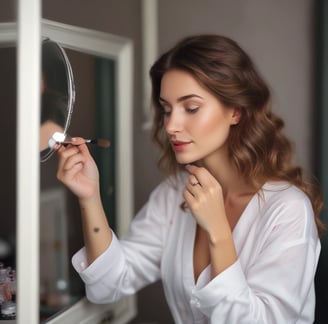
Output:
x=233 y=230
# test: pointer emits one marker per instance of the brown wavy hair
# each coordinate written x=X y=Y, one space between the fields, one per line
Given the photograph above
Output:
x=257 y=145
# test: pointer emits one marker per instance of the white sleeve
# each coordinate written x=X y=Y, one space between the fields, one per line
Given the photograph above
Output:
x=128 y=264
x=279 y=285
x=103 y=278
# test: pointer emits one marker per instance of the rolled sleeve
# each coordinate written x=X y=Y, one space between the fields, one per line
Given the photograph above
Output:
x=103 y=276
x=222 y=290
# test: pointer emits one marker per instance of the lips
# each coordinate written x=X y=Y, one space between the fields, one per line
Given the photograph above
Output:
x=179 y=146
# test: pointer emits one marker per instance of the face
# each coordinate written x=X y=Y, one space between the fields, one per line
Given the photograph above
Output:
x=197 y=124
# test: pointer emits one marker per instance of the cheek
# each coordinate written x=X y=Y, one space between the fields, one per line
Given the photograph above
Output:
x=215 y=124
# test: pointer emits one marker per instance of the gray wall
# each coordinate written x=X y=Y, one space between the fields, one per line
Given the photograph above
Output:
x=278 y=35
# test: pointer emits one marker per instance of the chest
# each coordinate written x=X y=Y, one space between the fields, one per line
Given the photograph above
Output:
x=201 y=253
x=186 y=253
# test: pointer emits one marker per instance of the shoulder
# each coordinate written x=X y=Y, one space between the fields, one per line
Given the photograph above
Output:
x=284 y=194
x=286 y=206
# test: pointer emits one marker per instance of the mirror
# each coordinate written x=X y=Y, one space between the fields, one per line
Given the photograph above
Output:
x=103 y=75
x=57 y=95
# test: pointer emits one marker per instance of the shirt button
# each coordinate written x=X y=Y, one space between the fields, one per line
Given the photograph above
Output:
x=195 y=302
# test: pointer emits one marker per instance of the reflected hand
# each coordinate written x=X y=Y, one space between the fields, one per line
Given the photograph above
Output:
x=77 y=170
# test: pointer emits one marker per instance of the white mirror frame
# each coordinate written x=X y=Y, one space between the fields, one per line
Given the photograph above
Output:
x=100 y=44
x=120 y=50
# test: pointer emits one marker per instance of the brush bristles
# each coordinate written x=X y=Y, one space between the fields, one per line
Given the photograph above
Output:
x=100 y=142
x=103 y=142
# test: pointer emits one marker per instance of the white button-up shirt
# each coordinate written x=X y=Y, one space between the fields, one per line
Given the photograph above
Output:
x=271 y=282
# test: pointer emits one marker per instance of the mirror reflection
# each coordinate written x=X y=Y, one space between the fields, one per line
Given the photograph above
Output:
x=60 y=223
x=60 y=226
x=8 y=189
x=57 y=95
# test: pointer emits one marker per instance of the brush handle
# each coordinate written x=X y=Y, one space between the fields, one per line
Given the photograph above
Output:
x=60 y=138
x=99 y=141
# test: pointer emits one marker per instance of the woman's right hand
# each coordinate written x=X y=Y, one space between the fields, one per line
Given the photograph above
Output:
x=78 y=170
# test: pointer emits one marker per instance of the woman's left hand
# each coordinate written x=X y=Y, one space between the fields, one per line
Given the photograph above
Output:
x=204 y=197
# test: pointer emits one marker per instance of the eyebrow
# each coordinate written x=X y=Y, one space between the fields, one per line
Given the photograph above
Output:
x=183 y=98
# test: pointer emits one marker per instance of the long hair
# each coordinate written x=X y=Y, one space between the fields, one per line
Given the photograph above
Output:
x=257 y=146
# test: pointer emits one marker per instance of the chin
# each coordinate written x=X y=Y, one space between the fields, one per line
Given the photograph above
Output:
x=185 y=160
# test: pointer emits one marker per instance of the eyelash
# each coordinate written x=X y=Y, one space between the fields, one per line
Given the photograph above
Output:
x=188 y=110
x=192 y=110
x=163 y=112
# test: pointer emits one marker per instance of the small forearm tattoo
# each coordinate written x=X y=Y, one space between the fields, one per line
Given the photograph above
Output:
x=96 y=229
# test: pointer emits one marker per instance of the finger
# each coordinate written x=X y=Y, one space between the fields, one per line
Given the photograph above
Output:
x=199 y=173
x=62 y=156
x=73 y=160
x=70 y=169
x=84 y=149
x=80 y=143
x=193 y=180
x=77 y=140
x=65 y=153
x=68 y=157
x=193 y=189
x=187 y=195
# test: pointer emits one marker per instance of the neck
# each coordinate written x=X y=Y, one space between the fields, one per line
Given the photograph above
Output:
x=227 y=175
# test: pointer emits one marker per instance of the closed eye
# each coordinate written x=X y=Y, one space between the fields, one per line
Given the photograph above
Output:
x=165 y=110
x=192 y=110
x=166 y=113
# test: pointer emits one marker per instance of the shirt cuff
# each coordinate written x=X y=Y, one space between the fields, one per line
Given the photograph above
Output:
x=226 y=285
x=110 y=259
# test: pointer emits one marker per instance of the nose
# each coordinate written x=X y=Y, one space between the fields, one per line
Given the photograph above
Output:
x=173 y=122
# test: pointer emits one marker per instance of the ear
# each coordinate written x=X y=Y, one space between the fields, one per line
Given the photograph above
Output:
x=235 y=116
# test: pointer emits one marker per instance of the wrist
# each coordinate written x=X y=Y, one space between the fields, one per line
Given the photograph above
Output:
x=219 y=234
x=90 y=202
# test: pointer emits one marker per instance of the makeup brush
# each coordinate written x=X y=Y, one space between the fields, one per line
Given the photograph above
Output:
x=102 y=142
x=60 y=138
